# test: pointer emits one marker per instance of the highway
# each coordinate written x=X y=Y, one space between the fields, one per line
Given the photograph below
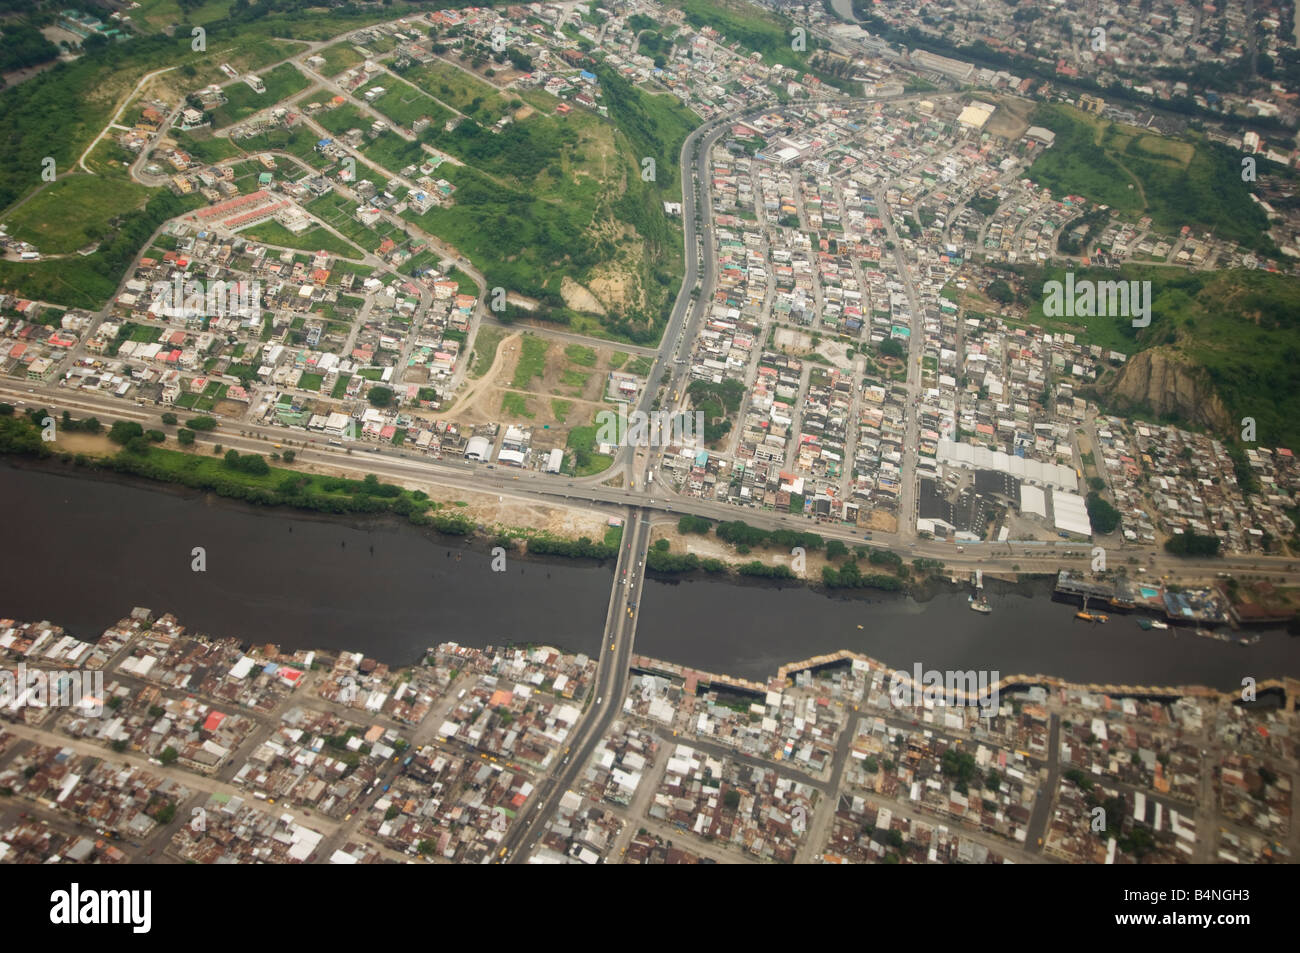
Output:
x=399 y=466
x=610 y=685
x=640 y=503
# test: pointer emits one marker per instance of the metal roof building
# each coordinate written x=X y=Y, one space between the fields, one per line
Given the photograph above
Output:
x=969 y=456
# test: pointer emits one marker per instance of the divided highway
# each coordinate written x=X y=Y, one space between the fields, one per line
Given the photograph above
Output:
x=609 y=687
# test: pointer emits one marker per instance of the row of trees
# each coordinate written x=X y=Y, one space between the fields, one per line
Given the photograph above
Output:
x=582 y=548
x=740 y=533
x=849 y=576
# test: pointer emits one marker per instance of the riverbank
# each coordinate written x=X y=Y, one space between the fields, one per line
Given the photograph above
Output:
x=81 y=549
x=1269 y=692
x=309 y=488
x=328 y=490
x=750 y=631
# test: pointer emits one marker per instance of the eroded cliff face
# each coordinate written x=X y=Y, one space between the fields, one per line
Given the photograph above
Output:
x=1159 y=379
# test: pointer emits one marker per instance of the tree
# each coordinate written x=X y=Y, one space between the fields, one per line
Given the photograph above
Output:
x=169 y=419
x=169 y=755
x=202 y=423
x=1102 y=515
x=731 y=799
x=892 y=348
x=693 y=524
x=380 y=397
x=185 y=437
x=1001 y=292
x=255 y=464
x=288 y=456
x=123 y=430
x=1192 y=544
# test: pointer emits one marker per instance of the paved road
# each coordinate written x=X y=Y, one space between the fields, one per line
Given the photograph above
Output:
x=395 y=465
x=610 y=684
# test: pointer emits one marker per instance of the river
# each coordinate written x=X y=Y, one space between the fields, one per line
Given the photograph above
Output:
x=750 y=630
x=85 y=550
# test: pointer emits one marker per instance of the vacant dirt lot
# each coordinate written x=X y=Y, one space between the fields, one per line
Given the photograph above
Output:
x=490 y=509
x=1011 y=118
x=568 y=394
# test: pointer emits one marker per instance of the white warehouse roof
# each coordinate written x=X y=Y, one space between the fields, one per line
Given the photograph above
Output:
x=982 y=458
x=1071 y=514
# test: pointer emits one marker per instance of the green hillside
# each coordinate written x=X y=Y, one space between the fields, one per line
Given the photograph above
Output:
x=1178 y=182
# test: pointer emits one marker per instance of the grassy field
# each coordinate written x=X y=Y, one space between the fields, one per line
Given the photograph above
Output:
x=581 y=442
x=110 y=160
x=202 y=145
x=89 y=281
x=554 y=196
x=485 y=350
x=1112 y=333
x=389 y=151
x=404 y=104
x=313 y=239
x=157 y=14
x=580 y=354
x=300 y=142
x=336 y=211
x=46 y=220
x=1176 y=181
x=339 y=57
x=454 y=86
x=575 y=379
x=754 y=29
x=561 y=408
x=342 y=118
x=532 y=362
x=464 y=283
x=242 y=101
x=515 y=405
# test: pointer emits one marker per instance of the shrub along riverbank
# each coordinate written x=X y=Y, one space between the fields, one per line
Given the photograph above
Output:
x=245 y=477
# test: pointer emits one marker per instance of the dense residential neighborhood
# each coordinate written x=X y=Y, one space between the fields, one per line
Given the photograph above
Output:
x=749 y=350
